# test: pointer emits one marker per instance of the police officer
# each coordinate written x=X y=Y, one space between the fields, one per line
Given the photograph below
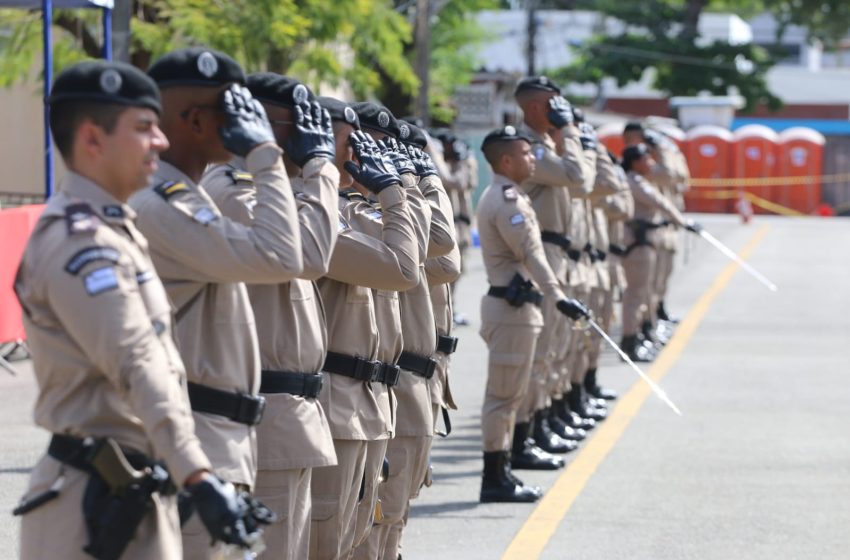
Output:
x=650 y=209
x=99 y=324
x=294 y=437
x=510 y=316
x=205 y=258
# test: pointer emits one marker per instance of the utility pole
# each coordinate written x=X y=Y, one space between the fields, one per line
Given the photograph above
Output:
x=121 y=14
x=531 y=7
x=423 y=50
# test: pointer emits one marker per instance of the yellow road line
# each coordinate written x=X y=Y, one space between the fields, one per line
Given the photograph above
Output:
x=534 y=535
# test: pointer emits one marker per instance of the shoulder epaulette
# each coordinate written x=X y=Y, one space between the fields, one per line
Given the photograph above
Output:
x=509 y=192
x=170 y=188
x=80 y=217
x=239 y=176
x=352 y=195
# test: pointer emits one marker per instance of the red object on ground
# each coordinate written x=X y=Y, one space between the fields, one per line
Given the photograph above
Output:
x=16 y=224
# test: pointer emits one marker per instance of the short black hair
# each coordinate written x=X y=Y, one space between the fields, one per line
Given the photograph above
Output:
x=493 y=151
x=67 y=116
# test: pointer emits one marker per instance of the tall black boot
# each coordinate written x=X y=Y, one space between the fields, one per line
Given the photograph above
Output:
x=572 y=419
x=650 y=334
x=526 y=455
x=546 y=439
x=594 y=389
x=661 y=313
x=629 y=345
x=498 y=486
x=580 y=406
x=560 y=427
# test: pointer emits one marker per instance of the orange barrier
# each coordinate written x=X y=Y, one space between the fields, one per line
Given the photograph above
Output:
x=16 y=224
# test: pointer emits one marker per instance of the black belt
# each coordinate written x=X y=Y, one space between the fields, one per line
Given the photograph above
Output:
x=446 y=344
x=556 y=238
x=618 y=250
x=352 y=366
x=307 y=385
x=77 y=452
x=574 y=254
x=421 y=366
x=388 y=374
x=463 y=218
x=533 y=297
x=239 y=407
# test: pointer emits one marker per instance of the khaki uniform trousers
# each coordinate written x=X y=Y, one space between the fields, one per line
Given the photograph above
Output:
x=544 y=375
x=334 y=491
x=602 y=304
x=664 y=269
x=365 y=514
x=640 y=267
x=570 y=359
x=287 y=493
x=511 y=350
x=408 y=457
x=57 y=529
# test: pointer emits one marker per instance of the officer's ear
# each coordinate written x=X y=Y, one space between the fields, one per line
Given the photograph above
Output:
x=90 y=139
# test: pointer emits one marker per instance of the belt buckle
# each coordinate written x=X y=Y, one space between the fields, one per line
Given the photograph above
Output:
x=366 y=370
x=251 y=409
x=453 y=343
x=430 y=368
x=391 y=374
x=319 y=383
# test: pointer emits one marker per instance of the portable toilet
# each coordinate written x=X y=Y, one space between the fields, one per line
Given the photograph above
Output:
x=754 y=156
x=800 y=154
x=708 y=151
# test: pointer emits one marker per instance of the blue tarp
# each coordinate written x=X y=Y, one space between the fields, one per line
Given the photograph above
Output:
x=827 y=127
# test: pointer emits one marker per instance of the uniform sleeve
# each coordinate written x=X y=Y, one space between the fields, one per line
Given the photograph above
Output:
x=645 y=193
x=420 y=213
x=567 y=170
x=318 y=216
x=388 y=262
x=607 y=178
x=443 y=270
x=518 y=228
x=663 y=172
x=101 y=308
x=442 y=237
x=212 y=248
x=684 y=183
x=618 y=207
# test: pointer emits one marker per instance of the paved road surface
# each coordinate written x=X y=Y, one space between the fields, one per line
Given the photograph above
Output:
x=758 y=467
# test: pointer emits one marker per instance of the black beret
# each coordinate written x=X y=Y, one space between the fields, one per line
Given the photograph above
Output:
x=411 y=119
x=273 y=88
x=376 y=117
x=539 y=83
x=633 y=153
x=340 y=111
x=109 y=82
x=633 y=127
x=414 y=135
x=505 y=134
x=196 y=66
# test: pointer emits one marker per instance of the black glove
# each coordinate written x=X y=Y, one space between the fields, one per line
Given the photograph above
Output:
x=314 y=135
x=652 y=138
x=587 y=136
x=693 y=227
x=376 y=171
x=560 y=112
x=573 y=309
x=397 y=153
x=422 y=162
x=247 y=124
x=222 y=511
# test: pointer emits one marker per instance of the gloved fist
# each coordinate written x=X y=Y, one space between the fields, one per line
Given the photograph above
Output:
x=652 y=138
x=223 y=512
x=422 y=162
x=375 y=171
x=397 y=153
x=560 y=112
x=314 y=135
x=587 y=136
x=247 y=125
x=573 y=309
x=693 y=227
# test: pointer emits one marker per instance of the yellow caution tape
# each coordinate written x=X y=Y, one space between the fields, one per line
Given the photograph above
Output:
x=756 y=200
x=771 y=181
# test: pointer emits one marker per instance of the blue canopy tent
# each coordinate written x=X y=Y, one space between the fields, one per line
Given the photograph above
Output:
x=46 y=6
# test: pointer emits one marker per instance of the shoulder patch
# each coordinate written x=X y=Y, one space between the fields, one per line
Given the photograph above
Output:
x=169 y=189
x=113 y=211
x=80 y=218
x=517 y=219
x=238 y=176
x=101 y=280
x=509 y=192
x=89 y=255
x=204 y=215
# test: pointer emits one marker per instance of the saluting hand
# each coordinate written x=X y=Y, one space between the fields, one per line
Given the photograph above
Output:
x=314 y=136
x=560 y=112
x=422 y=162
x=397 y=153
x=375 y=172
x=247 y=125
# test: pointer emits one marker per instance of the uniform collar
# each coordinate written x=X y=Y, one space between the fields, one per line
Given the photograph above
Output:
x=107 y=207
x=502 y=181
x=168 y=172
x=536 y=137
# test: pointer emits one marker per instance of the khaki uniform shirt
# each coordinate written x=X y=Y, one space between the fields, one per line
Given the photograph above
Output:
x=650 y=206
x=204 y=259
x=294 y=433
x=99 y=326
x=619 y=209
x=360 y=263
x=510 y=244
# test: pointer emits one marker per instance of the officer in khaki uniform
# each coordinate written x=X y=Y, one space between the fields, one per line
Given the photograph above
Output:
x=650 y=208
x=560 y=174
x=357 y=399
x=205 y=258
x=294 y=437
x=510 y=314
x=98 y=322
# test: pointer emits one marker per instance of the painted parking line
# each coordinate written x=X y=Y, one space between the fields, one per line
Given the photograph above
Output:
x=538 y=529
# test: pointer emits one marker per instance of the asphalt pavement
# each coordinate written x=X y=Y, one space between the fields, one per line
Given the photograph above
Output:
x=757 y=467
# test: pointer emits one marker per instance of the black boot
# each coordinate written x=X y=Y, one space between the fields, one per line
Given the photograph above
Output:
x=546 y=439
x=661 y=313
x=631 y=348
x=572 y=419
x=526 y=455
x=593 y=388
x=497 y=484
x=578 y=404
x=560 y=427
x=650 y=334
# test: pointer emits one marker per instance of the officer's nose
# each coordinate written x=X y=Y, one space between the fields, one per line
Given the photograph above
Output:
x=160 y=142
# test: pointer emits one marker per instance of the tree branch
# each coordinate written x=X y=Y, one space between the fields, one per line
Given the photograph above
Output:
x=76 y=27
